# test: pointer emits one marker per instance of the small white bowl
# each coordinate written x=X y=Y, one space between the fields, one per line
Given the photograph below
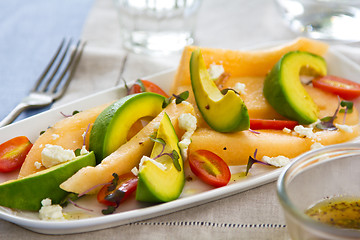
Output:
x=314 y=176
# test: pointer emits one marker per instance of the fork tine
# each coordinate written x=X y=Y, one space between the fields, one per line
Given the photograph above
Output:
x=46 y=70
x=73 y=63
x=46 y=85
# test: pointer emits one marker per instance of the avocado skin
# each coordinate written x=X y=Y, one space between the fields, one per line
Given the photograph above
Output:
x=228 y=113
x=282 y=100
x=107 y=119
x=28 y=192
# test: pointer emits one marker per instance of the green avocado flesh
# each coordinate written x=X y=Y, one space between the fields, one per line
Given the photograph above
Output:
x=155 y=184
x=28 y=192
x=223 y=113
x=111 y=127
x=284 y=90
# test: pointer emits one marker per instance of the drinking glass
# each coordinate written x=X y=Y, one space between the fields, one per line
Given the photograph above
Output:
x=157 y=26
x=334 y=20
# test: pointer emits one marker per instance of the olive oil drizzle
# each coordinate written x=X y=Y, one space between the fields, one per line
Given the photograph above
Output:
x=340 y=212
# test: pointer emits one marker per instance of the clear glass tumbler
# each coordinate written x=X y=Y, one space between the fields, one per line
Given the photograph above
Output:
x=332 y=171
x=157 y=27
x=335 y=20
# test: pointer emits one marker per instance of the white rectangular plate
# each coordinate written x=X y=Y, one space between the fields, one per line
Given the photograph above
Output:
x=194 y=193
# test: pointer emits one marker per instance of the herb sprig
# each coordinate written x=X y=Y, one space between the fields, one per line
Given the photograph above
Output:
x=327 y=123
x=174 y=154
x=178 y=98
x=251 y=162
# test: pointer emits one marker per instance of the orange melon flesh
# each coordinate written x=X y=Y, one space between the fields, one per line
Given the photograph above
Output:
x=235 y=148
x=127 y=156
x=66 y=133
x=250 y=68
x=243 y=63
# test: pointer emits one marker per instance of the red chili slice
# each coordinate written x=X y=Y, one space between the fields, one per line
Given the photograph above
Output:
x=210 y=168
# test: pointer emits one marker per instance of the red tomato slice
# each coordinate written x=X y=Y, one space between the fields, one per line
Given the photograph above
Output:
x=256 y=124
x=346 y=89
x=210 y=168
x=127 y=183
x=13 y=153
x=146 y=86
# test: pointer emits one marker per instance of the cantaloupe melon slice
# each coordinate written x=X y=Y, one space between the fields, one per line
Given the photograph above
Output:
x=67 y=133
x=235 y=148
x=125 y=157
x=244 y=63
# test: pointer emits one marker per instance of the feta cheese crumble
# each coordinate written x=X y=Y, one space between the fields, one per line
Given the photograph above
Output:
x=187 y=122
x=135 y=171
x=316 y=145
x=55 y=136
x=279 y=161
x=50 y=212
x=83 y=150
x=37 y=165
x=147 y=159
x=286 y=130
x=215 y=71
x=240 y=88
x=304 y=131
x=52 y=155
x=343 y=127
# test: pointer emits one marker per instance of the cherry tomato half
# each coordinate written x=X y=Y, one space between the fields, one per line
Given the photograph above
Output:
x=13 y=153
x=346 y=89
x=127 y=184
x=210 y=168
x=146 y=86
x=256 y=124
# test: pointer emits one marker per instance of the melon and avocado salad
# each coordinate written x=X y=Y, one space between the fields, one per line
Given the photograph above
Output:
x=223 y=113
x=161 y=177
x=27 y=193
x=283 y=88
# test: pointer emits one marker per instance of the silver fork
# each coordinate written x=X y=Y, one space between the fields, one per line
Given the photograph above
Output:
x=48 y=89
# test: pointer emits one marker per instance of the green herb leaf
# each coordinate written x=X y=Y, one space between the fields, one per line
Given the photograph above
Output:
x=115 y=196
x=108 y=210
x=158 y=140
x=75 y=112
x=225 y=90
x=327 y=123
x=181 y=97
x=166 y=102
x=126 y=86
x=348 y=104
x=77 y=152
x=70 y=196
x=141 y=84
x=175 y=157
x=114 y=182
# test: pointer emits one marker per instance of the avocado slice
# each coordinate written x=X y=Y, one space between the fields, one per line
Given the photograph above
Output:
x=26 y=193
x=111 y=127
x=284 y=90
x=156 y=184
x=223 y=113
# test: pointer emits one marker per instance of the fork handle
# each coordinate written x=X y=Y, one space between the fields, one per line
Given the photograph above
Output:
x=13 y=114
